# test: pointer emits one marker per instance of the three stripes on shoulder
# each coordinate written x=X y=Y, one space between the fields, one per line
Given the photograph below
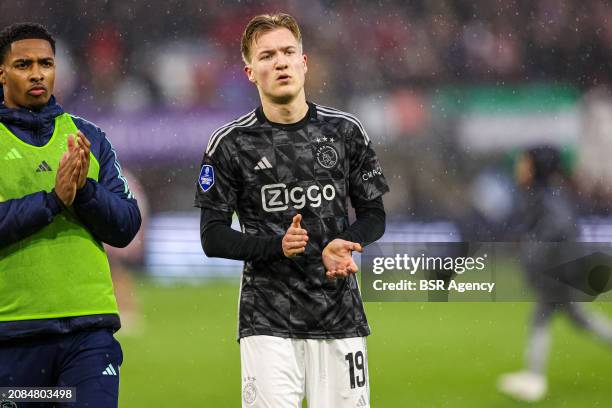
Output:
x=243 y=121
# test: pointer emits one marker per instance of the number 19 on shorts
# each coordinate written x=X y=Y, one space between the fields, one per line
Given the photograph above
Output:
x=357 y=370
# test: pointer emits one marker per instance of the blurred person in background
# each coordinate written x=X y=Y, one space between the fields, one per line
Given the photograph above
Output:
x=288 y=168
x=62 y=195
x=548 y=215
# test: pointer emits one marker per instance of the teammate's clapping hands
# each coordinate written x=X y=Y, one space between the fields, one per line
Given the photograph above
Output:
x=84 y=147
x=68 y=173
x=73 y=168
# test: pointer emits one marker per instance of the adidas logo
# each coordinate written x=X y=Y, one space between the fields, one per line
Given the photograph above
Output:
x=13 y=154
x=263 y=164
x=44 y=166
x=362 y=403
x=109 y=370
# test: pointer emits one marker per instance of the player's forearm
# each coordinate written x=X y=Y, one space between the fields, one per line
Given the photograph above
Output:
x=21 y=217
x=370 y=223
x=219 y=240
x=110 y=217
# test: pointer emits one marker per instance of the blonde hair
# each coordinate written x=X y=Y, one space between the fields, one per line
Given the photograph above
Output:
x=263 y=23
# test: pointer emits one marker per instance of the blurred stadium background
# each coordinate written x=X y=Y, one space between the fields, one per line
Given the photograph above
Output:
x=449 y=92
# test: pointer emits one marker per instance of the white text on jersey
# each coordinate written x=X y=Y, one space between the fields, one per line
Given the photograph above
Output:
x=277 y=197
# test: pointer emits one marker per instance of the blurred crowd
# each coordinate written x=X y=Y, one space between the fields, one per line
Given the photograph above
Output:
x=391 y=62
x=134 y=55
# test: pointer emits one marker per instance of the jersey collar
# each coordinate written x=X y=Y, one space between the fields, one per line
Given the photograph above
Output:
x=287 y=126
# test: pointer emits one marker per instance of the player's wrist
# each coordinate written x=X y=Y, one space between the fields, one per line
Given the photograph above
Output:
x=54 y=202
x=85 y=193
x=277 y=248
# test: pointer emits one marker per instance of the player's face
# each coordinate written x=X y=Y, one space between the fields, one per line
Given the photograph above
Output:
x=277 y=67
x=27 y=74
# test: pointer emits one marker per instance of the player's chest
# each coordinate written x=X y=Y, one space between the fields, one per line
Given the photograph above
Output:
x=291 y=156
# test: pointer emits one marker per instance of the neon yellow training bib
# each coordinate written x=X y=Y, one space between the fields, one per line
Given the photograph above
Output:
x=61 y=270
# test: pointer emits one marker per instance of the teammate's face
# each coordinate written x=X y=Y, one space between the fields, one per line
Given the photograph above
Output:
x=277 y=67
x=27 y=74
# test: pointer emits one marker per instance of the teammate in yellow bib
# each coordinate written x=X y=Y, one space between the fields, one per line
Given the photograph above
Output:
x=62 y=195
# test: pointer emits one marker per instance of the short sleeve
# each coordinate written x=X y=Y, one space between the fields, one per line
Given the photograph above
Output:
x=216 y=186
x=366 y=179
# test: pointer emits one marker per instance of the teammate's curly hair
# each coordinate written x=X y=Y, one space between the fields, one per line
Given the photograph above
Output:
x=23 y=31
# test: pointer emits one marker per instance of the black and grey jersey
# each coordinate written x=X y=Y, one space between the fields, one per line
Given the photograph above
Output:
x=267 y=173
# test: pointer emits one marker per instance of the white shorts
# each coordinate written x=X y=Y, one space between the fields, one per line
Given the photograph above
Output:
x=278 y=372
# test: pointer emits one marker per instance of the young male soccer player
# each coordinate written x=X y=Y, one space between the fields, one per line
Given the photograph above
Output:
x=61 y=195
x=288 y=169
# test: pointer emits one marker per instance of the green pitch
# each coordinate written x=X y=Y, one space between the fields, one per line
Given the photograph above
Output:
x=421 y=354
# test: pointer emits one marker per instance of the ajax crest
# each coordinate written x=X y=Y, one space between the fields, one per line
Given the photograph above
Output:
x=327 y=156
x=249 y=391
x=207 y=177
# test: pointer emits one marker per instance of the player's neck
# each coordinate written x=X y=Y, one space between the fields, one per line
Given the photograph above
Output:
x=285 y=113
